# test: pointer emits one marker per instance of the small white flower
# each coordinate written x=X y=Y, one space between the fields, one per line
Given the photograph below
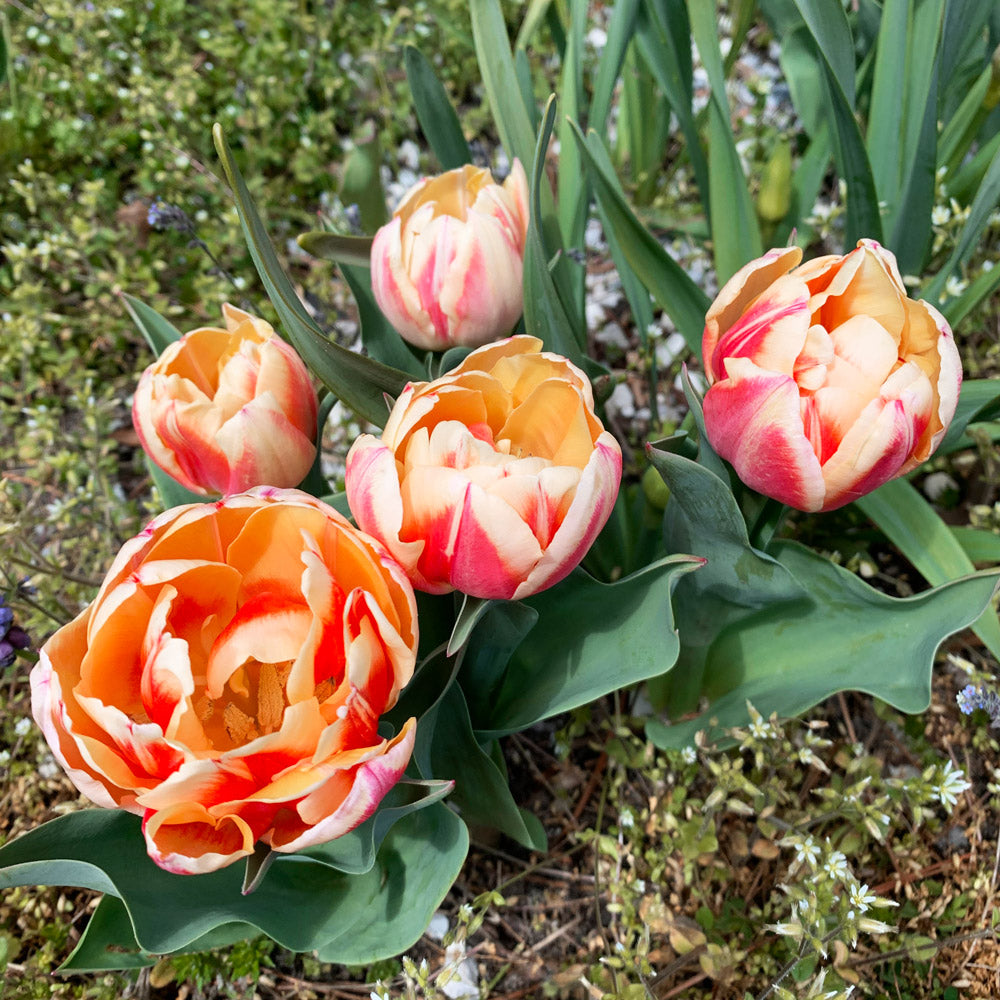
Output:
x=22 y=727
x=954 y=286
x=836 y=866
x=4 y=758
x=807 y=852
x=940 y=215
x=688 y=755
x=861 y=899
x=952 y=783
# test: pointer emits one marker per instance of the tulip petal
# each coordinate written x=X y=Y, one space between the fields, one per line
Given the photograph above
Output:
x=753 y=421
x=186 y=839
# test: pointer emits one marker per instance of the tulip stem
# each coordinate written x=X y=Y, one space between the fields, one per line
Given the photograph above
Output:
x=767 y=522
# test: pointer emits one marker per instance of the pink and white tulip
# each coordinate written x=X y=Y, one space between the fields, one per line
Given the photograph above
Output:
x=222 y=411
x=494 y=479
x=826 y=380
x=227 y=682
x=447 y=269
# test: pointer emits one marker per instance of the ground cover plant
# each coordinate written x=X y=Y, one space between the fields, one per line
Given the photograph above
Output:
x=821 y=827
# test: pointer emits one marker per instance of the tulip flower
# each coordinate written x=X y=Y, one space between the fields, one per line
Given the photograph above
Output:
x=447 y=268
x=227 y=682
x=493 y=479
x=222 y=411
x=826 y=381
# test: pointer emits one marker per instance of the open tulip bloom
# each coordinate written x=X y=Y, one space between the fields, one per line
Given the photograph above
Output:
x=826 y=380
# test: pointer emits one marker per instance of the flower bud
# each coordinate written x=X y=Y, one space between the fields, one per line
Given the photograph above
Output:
x=222 y=411
x=447 y=269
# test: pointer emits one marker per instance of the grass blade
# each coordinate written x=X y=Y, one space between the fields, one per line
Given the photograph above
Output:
x=355 y=250
x=160 y=333
x=911 y=524
x=621 y=25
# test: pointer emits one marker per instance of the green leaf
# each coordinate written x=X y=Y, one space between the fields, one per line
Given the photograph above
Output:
x=3 y=53
x=378 y=335
x=446 y=747
x=434 y=111
x=827 y=23
x=355 y=852
x=108 y=941
x=828 y=28
x=955 y=310
x=573 y=194
x=422 y=857
x=621 y=24
x=360 y=382
x=847 y=637
x=572 y=657
x=302 y=904
x=533 y=18
x=472 y=610
x=735 y=233
x=171 y=491
x=911 y=524
x=160 y=333
x=663 y=37
x=545 y=315
x=683 y=301
x=738 y=580
x=978 y=544
x=978 y=400
x=500 y=79
x=342 y=249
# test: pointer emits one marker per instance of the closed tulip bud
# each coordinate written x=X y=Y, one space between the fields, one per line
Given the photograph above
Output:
x=826 y=381
x=222 y=411
x=493 y=479
x=447 y=269
x=775 y=195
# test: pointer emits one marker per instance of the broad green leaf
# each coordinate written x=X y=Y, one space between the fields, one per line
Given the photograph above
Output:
x=965 y=183
x=964 y=21
x=885 y=117
x=447 y=747
x=978 y=400
x=171 y=491
x=160 y=333
x=360 y=382
x=435 y=112
x=302 y=904
x=683 y=301
x=500 y=79
x=572 y=656
x=978 y=544
x=423 y=856
x=832 y=38
x=342 y=249
x=621 y=23
x=846 y=637
x=522 y=69
x=108 y=941
x=702 y=517
x=980 y=211
x=911 y=524
x=355 y=852
x=735 y=233
x=378 y=335
x=959 y=130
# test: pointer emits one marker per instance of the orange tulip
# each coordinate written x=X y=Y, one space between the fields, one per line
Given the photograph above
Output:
x=227 y=682
x=447 y=269
x=493 y=479
x=223 y=411
x=826 y=381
